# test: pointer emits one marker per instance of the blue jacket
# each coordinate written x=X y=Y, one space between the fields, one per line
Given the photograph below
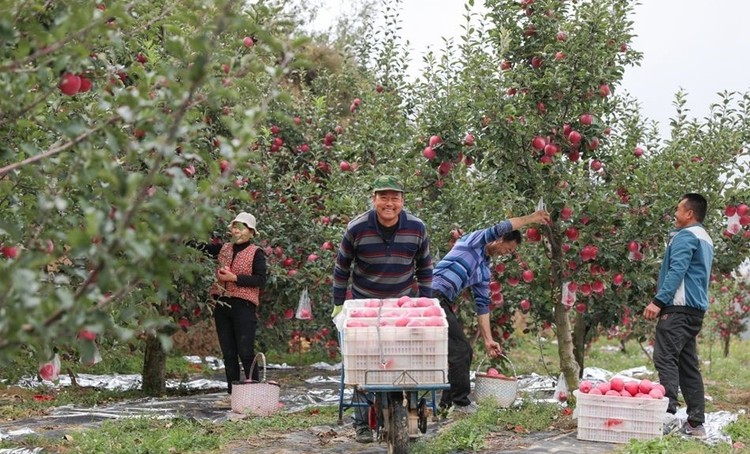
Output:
x=685 y=271
x=468 y=265
x=380 y=268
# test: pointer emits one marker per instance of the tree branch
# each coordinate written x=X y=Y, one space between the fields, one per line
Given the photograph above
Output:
x=58 y=149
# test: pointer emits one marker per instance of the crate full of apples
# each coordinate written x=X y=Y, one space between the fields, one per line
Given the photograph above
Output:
x=396 y=339
x=617 y=411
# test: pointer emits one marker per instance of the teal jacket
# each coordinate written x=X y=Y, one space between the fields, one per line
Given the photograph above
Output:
x=685 y=271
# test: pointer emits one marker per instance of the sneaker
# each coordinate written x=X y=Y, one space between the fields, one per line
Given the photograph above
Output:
x=364 y=435
x=697 y=432
x=466 y=409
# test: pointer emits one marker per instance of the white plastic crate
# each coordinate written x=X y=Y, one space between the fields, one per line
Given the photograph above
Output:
x=614 y=419
x=377 y=352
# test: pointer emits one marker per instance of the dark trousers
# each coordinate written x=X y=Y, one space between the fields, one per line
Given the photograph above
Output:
x=676 y=360
x=236 y=323
x=460 y=355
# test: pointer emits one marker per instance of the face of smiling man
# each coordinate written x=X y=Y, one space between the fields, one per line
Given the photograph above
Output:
x=388 y=206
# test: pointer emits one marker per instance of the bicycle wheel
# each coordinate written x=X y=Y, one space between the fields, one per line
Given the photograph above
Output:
x=398 y=430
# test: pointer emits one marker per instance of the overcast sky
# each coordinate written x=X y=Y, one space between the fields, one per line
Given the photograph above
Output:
x=699 y=45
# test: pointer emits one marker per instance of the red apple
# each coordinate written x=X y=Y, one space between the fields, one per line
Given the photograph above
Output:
x=345 y=166
x=561 y=36
x=604 y=90
x=539 y=143
x=594 y=143
x=536 y=61
x=140 y=58
x=645 y=386
x=87 y=335
x=525 y=305
x=595 y=165
x=495 y=286
x=500 y=268
x=505 y=65
x=562 y=396
x=435 y=140
x=189 y=170
x=631 y=387
x=429 y=153
x=742 y=209
x=327 y=246
x=581 y=308
x=559 y=55
x=224 y=165
x=638 y=152
x=70 y=84
x=312 y=257
x=566 y=213
x=9 y=252
x=47 y=372
x=585 y=386
x=617 y=279
x=533 y=235
x=617 y=384
x=527 y=276
x=379 y=88
x=492 y=372
x=633 y=246
x=730 y=211
x=574 y=137
x=85 y=84
x=469 y=140
x=586 y=119
x=248 y=41
x=288 y=262
x=572 y=233
x=444 y=168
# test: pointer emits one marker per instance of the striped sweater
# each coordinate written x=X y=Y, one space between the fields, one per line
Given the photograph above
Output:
x=381 y=268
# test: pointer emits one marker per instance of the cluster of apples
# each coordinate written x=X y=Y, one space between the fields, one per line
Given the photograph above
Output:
x=402 y=312
x=618 y=387
x=492 y=372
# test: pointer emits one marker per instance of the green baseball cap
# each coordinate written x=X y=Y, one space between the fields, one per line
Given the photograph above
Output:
x=387 y=183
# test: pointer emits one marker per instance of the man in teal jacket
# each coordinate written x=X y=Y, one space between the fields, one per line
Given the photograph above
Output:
x=680 y=303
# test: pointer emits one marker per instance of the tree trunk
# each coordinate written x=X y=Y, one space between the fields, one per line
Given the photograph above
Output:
x=579 y=343
x=568 y=364
x=154 y=367
x=726 y=346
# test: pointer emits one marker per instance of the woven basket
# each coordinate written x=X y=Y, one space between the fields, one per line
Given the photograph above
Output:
x=256 y=398
x=502 y=390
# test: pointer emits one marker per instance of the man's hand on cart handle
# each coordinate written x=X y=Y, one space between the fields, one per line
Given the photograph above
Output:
x=337 y=310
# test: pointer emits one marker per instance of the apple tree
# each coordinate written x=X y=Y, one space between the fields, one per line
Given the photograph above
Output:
x=114 y=156
x=537 y=88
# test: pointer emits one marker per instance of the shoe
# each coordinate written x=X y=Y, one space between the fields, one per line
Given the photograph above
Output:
x=466 y=409
x=364 y=435
x=696 y=432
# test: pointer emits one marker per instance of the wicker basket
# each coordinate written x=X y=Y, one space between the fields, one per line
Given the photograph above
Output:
x=257 y=398
x=502 y=390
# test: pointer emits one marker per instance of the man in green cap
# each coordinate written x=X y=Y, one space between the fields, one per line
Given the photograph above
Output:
x=386 y=254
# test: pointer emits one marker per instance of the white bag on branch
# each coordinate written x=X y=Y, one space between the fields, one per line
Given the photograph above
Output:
x=50 y=370
x=304 y=307
x=561 y=391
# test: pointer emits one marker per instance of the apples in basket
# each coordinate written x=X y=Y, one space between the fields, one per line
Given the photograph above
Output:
x=490 y=383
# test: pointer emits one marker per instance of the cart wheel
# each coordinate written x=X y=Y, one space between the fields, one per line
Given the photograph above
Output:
x=398 y=430
x=422 y=415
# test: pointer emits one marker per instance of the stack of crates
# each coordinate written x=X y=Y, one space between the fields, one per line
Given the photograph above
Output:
x=400 y=341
